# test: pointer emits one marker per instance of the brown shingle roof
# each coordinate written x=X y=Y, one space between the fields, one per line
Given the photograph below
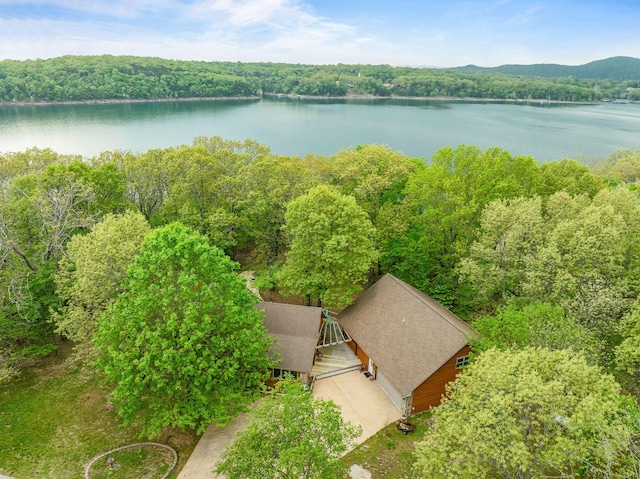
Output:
x=296 y=330
x=408 y=334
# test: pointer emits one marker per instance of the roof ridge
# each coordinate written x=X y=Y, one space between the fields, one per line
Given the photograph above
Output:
x=421 y=296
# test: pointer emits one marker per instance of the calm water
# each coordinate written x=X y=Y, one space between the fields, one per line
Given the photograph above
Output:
x=294 y=127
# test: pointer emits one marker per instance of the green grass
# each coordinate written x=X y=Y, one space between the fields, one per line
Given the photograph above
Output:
x=389 y=454
x=54 y=419
x=145 y=462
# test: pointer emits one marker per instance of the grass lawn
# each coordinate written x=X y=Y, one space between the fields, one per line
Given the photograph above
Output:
x=55 y=418
x=143 y=462
x=389 y=454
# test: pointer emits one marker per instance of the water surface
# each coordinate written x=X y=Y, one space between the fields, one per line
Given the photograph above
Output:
x=323 y=127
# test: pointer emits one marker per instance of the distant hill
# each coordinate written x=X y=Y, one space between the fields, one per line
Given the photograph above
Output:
x=617 y=68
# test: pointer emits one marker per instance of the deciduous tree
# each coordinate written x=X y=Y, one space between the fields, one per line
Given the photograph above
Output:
x=536 y=324
x=508 y=239
x=269 y=184
x=183 y=343
x=570 y=176
x=375 y=176
x=622 y=166
x=292 y=434
x=39 y=213
x=444 y=203
x=331 y=247
x=147 y=180
x=525 y=414
x=93 y=274
x=577 y=252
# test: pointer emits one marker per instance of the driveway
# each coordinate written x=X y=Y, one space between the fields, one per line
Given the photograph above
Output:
x=362 y=401
x=210 y=447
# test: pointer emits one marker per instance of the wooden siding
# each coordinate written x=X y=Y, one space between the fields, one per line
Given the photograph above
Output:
x=429 y=393
x=362 y=356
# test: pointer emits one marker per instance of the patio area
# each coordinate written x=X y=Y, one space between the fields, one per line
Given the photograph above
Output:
x=361 y=400
x=335 y=359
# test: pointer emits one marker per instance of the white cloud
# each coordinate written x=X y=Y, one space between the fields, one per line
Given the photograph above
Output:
x=248 y=12
x=485 y=32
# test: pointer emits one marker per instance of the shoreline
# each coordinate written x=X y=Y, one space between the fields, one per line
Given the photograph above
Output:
x=358 y=96
x=115 y=101
x=435 y=98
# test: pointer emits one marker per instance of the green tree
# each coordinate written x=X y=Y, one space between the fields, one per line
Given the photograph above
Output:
x=39 y=213
x=32 y=160
x=375 y=176
x=536 y=324
x=584 y=264
x=147 y=180
x=570 y=176
x=627 y=353
x=443 y=204
x=206 y=191
x=577 y=252
x=331 y=247
x=183 y=343
x=622 y=166
x=509 y=236
x=292 y=435
x=196 y=179
x=93 y=274
x=269 y=184
x=524 y=414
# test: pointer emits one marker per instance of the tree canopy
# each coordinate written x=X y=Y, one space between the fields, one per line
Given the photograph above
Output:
x=331 y=248
x=183 y=343
x=576 y=252
x=535 y=324
x=292 y=434
x=44 y=201
x=440 y=210
x=532 y=255
x=93 y=274
x=526 y=414
x=78 y=78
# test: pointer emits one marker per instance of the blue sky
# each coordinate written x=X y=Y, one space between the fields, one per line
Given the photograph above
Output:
x=440 y=33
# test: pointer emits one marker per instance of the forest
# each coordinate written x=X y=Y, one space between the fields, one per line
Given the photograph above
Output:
x=533 y=255
x=101 y=78
x=618 y=68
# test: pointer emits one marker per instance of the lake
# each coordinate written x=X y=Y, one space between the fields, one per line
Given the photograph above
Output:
x=296 y=127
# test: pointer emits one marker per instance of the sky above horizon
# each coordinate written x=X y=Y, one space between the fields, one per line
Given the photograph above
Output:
x=400 y=33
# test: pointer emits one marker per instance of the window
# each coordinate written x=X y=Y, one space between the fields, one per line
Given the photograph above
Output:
x=462 y=361
x=284 y=374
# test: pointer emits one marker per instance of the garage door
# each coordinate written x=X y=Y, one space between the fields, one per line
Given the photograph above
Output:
x=386 y=386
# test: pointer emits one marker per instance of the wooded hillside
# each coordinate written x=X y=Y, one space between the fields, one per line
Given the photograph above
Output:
x=616 y=68
x=131 y=257
x=96 y=78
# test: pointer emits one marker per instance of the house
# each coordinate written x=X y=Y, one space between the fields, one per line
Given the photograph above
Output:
x=296 y=330
x=411 y=344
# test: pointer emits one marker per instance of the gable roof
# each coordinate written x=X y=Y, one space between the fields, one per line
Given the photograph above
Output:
x=296 y=330
x=406 y=333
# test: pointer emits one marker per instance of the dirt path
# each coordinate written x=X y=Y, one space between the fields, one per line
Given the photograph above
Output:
x=250 y=276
